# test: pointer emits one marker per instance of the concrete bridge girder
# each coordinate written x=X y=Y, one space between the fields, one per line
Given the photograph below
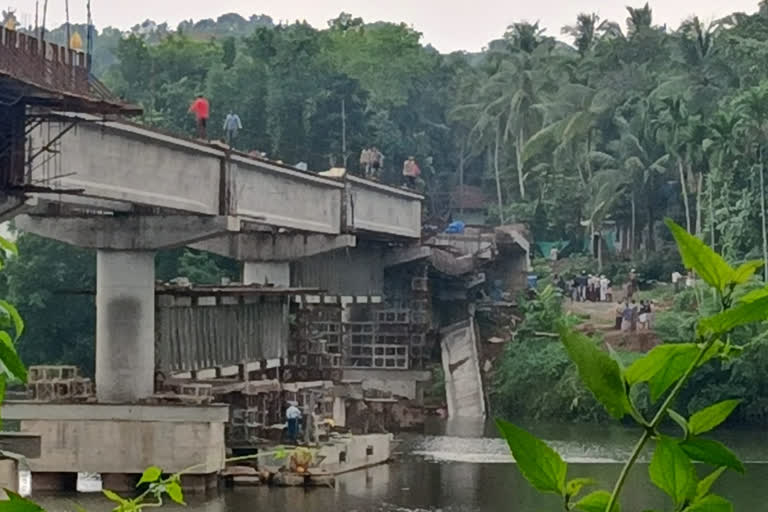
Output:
x=129 y=233
x=265 y=247
x=98 y=159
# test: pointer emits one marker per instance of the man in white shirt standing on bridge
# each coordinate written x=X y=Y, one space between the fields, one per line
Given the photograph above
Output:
x=232 y=125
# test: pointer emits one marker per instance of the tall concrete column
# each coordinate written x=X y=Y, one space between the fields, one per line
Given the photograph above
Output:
x=125 y=325
x=277 y=273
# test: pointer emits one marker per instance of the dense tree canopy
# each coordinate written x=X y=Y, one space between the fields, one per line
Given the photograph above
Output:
x=625 y=121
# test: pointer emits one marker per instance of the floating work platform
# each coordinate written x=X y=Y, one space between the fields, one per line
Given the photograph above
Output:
x=339 y=454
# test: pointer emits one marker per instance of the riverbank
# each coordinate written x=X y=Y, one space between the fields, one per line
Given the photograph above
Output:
x=535 y=380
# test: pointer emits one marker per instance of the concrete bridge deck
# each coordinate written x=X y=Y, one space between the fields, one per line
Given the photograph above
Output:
x=121 y=166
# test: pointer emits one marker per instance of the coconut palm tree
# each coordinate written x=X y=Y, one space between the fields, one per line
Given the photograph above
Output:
x=752 y=109
x=671 y=128
x=722 y=150
x=585 y=32
x=639 y=19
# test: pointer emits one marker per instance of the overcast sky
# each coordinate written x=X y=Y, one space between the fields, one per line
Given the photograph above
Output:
x=446 y=24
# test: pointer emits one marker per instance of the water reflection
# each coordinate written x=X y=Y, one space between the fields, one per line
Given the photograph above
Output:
x=463 y=467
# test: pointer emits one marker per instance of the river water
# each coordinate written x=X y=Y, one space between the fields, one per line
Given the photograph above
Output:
x=465 y=467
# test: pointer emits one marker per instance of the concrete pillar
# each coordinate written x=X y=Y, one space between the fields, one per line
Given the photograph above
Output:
x=277 y=273
x=125 y=325
x=9 y=476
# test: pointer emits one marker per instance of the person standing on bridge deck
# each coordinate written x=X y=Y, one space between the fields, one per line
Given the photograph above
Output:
x=377 y=162
x=232 y=125
x=411 y=172
x=202 y=110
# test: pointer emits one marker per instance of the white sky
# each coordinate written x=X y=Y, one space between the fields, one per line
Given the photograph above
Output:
x=446 y=24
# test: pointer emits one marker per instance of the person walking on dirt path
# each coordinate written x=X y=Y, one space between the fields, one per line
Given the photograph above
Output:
x=635 y=316
x=677 y=279
x=581 y=283
x=202 y=110
x=619 y=315
x=643 y=315
x=560 y=283
x=626 y=317
x=604 y=284
x=632 y=284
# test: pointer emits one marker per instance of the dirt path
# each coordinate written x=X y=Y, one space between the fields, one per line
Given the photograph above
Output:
x=602 y=318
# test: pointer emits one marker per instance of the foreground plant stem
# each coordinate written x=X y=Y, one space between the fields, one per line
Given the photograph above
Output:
x=650 y=429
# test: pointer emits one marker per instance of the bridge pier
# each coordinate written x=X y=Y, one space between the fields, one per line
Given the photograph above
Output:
x=125 y=287
x=125 y=325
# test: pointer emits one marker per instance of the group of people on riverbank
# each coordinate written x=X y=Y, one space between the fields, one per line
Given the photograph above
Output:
x=632 y=317
x=586 y=287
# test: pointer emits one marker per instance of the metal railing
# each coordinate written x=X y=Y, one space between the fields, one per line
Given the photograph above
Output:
x=43 y=64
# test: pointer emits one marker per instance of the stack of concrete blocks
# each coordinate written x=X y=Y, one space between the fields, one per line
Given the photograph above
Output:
x=420 y=320
x=199 y=394
x=58 y=383
x=235 y=430
x=319 y=338
x=260 y=409
x=392 y=338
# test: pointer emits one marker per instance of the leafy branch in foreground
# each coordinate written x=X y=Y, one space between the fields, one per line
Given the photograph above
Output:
x=665 y=370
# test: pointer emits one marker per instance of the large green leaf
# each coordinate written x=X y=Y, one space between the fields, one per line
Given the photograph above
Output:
x=672 y=471
x=8 y=246
x=700 y=257
x=662 y=366
x=16 y=503
x=599 y=372
x=706 y=483
x=711 y=452
x=18 y=323
x=596 y=502
x=114 y=497
x=9 y=359
x=711 y=503
x=538 y=463
x=710 y=417
x=151 y=474
x=746 y=270
x=175 y=492
x=742 y=313
x=754 y=295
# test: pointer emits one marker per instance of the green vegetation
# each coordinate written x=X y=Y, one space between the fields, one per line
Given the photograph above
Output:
x=664 y=372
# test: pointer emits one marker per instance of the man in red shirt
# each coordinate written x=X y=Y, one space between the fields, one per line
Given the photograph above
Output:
x=201 y=109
